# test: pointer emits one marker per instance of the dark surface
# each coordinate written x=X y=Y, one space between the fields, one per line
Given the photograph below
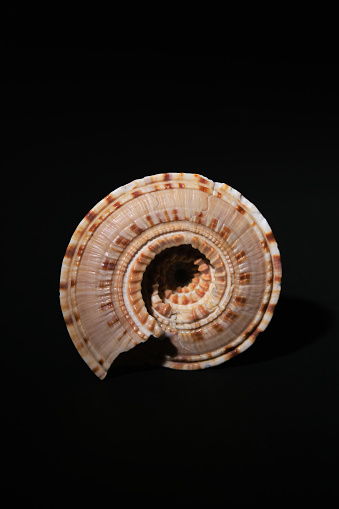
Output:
x=79 y=122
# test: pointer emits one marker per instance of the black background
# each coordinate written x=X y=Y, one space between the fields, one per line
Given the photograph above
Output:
x=81 y=119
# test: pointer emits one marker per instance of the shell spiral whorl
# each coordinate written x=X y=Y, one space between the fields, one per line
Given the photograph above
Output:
x=172 y=256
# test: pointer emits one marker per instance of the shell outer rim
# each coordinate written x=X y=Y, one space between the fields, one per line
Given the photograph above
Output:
x=87 y=352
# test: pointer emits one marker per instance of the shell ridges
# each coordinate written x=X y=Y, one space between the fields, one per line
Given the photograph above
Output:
x=175 y=256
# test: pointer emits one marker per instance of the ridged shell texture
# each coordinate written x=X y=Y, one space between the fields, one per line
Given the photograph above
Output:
x=188 y=264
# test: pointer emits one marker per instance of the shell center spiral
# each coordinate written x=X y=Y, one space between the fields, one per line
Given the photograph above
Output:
x=174 y=276
x=177 y=283
x=177 y=287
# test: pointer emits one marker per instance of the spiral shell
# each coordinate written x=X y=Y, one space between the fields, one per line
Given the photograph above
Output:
x=174 y=257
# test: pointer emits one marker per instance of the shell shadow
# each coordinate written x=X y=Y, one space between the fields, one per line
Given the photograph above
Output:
x=139 y=358
x=296 y=323
x=291 y=329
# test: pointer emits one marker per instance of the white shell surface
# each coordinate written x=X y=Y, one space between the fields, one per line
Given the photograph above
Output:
x=189 y=264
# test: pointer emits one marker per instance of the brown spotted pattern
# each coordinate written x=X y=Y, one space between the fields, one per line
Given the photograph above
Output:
x=191 y=261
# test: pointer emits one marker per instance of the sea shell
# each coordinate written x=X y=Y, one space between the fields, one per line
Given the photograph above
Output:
x=174 y=257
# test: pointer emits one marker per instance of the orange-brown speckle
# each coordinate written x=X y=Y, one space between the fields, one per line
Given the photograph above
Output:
x=213 y=224
x=203 y=311
x=136 y=229
x=150 y=220
x=263 y=307
x=81 y=250
x=224 y=232
x=93 y=227
x=109 y=198
x=202 y=179
x=174 y=298
x=230 y=315
x=198 y=334
x=199 y=218
x=233 y=353
x=184 y=300
x=270 y=237
x=107 y=305
x=221 y=279
x=122 y=335
x=108 y=264
x=276 y=263
x=200 y=292
x=240 y=256
x=271 y=308
x=91 y=215
x=264 y=245
x=110 y=323
x=175 y=214
x=217 y=327
x=245 y=278
x=105 y=283
x=240 y=300
x=121 y=241
x=203 y=267
x=70 y=252
x=153 y=248
x=68 y=320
